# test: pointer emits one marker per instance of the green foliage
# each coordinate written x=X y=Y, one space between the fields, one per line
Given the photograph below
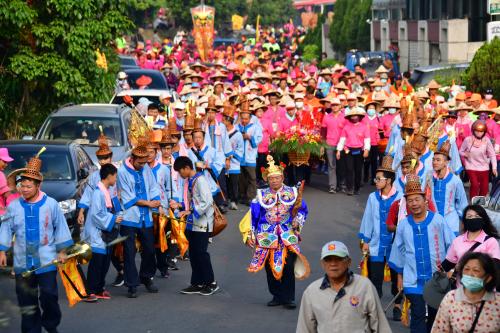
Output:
x=50 y=59
x=313 y=36
x=311 y=52
x=349 y=29
x=484 y=69
x=275 y=12
x=326 y=63
x=447 y=77
x=283 y=146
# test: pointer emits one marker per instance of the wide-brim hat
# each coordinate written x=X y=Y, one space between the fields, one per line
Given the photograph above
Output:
x=463 y=106
x=356 y=111
x=193 y=75
x=31 y=171
x=483 y=109
x=433 y=85
x=377 y=83
x=218 y=74
x=381 y=69
x=198 y=64
x=372 y=102
x=143 y=80
x=326 y=71
x=272 y=92
x=341 y=86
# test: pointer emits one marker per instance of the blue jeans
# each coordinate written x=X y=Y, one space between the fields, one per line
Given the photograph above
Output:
x=418 y=322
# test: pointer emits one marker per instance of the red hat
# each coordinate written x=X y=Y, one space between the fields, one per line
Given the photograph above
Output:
x=143 y=80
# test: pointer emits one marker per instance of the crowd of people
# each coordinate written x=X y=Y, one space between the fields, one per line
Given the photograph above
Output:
x=209 y=150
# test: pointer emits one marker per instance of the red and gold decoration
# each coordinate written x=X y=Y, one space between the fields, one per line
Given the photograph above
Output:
x=203 y=29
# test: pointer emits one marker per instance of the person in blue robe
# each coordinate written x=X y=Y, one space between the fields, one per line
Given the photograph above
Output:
x=42 y=235
x=140 y=194
x=234 y=165
x=420 y=245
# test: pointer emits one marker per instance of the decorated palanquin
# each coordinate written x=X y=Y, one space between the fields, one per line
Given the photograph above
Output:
x=272 y=216
x=203 y=29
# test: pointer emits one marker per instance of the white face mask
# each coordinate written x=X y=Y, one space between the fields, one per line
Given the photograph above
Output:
x=299 y=105
x=383 y=80
x=392 y=110
x=371 y=112
x=488 y=97
x=378 y=88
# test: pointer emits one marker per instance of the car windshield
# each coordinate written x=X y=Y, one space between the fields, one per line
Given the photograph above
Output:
x=157 y=81
x=119 y=99
x=56 y=165
x=84 y=130
x=128 y=61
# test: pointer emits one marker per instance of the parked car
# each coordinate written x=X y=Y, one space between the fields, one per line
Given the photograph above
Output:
x=159 y=80
x=82 y=124
x=491 y=204
x=127 y=62
x=151 y=94
x=421 y=76
x=218 y=41
x=65 y=168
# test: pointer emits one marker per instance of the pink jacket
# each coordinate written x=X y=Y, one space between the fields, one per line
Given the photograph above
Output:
x=481 y=154
x=463 y=127
x=267 y=133
x=333 y=124
x=385 y=124
x=374 y=125
x=285 y=123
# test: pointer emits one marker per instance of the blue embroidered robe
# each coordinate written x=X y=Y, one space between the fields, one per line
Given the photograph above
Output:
x=214 y=160
x=237 y=146
x=250 y=146
x=91 y=185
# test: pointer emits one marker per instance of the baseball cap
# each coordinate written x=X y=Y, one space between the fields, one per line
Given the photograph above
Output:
x=164 y=95
x=334 y=248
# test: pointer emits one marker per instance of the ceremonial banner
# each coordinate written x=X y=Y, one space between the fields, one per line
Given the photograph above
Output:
x=72 y=281
x=237 y=22
x=203 y=29
x=257 y=29
x=309 y=20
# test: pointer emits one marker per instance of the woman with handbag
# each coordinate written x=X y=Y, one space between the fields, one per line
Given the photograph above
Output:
x=473 y=307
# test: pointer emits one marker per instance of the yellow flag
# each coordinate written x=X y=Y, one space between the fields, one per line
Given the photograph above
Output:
x=387 y=273
x=246 y=226
x=405 y=313
x=237 y=21
x=257 y=29
x=72 y=280
x=364 y=265
x=178 y=228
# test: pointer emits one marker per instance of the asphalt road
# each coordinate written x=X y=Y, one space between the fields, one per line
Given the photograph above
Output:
x=240 y=305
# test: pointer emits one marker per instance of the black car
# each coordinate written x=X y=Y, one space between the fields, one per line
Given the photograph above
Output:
x=83 y=123
x=65 y=167
x=158 y=79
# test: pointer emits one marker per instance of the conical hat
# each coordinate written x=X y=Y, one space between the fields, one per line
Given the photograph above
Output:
x=483 y=108
x=413 y=185
x=381 y=69
x=341 y=86
x=103 y=150
x=377 y=83
x=386 y=164
x=433 y=85
x=444 y=149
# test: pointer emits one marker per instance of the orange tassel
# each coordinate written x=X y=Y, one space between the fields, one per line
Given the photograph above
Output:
x=405 y=313
x=178 y=228
x=387 y=273
x=162 y=235
x=69 y=267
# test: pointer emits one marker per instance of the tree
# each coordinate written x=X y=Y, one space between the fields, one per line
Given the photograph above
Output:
x=49 y=57
x=484 y=69
x=349 y=29
x=271 y=12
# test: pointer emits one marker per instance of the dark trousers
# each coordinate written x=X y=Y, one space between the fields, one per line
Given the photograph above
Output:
x=418 y=323
x=161 y=260
x=247 y=183
x=148 y=264
x=354 y=167
x=32 y=290
x=220 y=197
x=117 y=262
x=283 y=290
x=376 y=276
x=341 y=170
x=371 y=164
x=261 y=162
x=96 y=272
x=201 y=266
x=233 y=182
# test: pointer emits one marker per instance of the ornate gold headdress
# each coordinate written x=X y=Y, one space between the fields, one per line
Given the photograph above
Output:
x=272 y=169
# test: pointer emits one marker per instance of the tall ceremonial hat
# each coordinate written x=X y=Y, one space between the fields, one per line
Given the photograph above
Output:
x=166 y=137
x=272 y=169
x=32 y=169
x=229 y=110
x=188 y=122
x=419 y=143
x=444 y=149
x=413 y=185
x=386 y=164
x=154 y=138
x=172 y=127
x=198 y=125
x=141 y=149
x=245 y=106
x=102 y=141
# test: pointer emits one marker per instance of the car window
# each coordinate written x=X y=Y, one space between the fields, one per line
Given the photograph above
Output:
x=56 y=165
x=494 y=202
x=83 y=129
x=84 y=161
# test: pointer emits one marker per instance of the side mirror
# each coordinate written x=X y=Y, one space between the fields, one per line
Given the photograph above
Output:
x=479 y=200
x=82 y=174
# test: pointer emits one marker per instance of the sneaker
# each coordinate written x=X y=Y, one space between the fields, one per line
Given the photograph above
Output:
x=350 y=193
x=119 y=280
x=172 y=266
x=209 y=289
x=356 y=192
x=151 y=288
x=332 y=190
x=92 y=298
x=396 y=314
x=165 y=274
x=132 y=292
x=191 y=290
x=233 y=206
x=290 y=305
x=104 y=295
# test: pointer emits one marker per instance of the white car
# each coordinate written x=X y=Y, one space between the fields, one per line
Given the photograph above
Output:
x=491 y=204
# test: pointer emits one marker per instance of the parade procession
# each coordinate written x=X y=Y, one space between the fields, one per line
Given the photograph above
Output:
x=246 y=183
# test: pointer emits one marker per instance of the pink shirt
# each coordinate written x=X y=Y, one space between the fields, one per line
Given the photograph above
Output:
x=267 y=133
x=463 y=127
x=333 y=124
x=4 y=188
x=355 y=134
x=374 y=125
x=385 y=124
x=491 y=125
x=274 y=116
x=461 y=245
x=481 y=154
x=285 y=123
